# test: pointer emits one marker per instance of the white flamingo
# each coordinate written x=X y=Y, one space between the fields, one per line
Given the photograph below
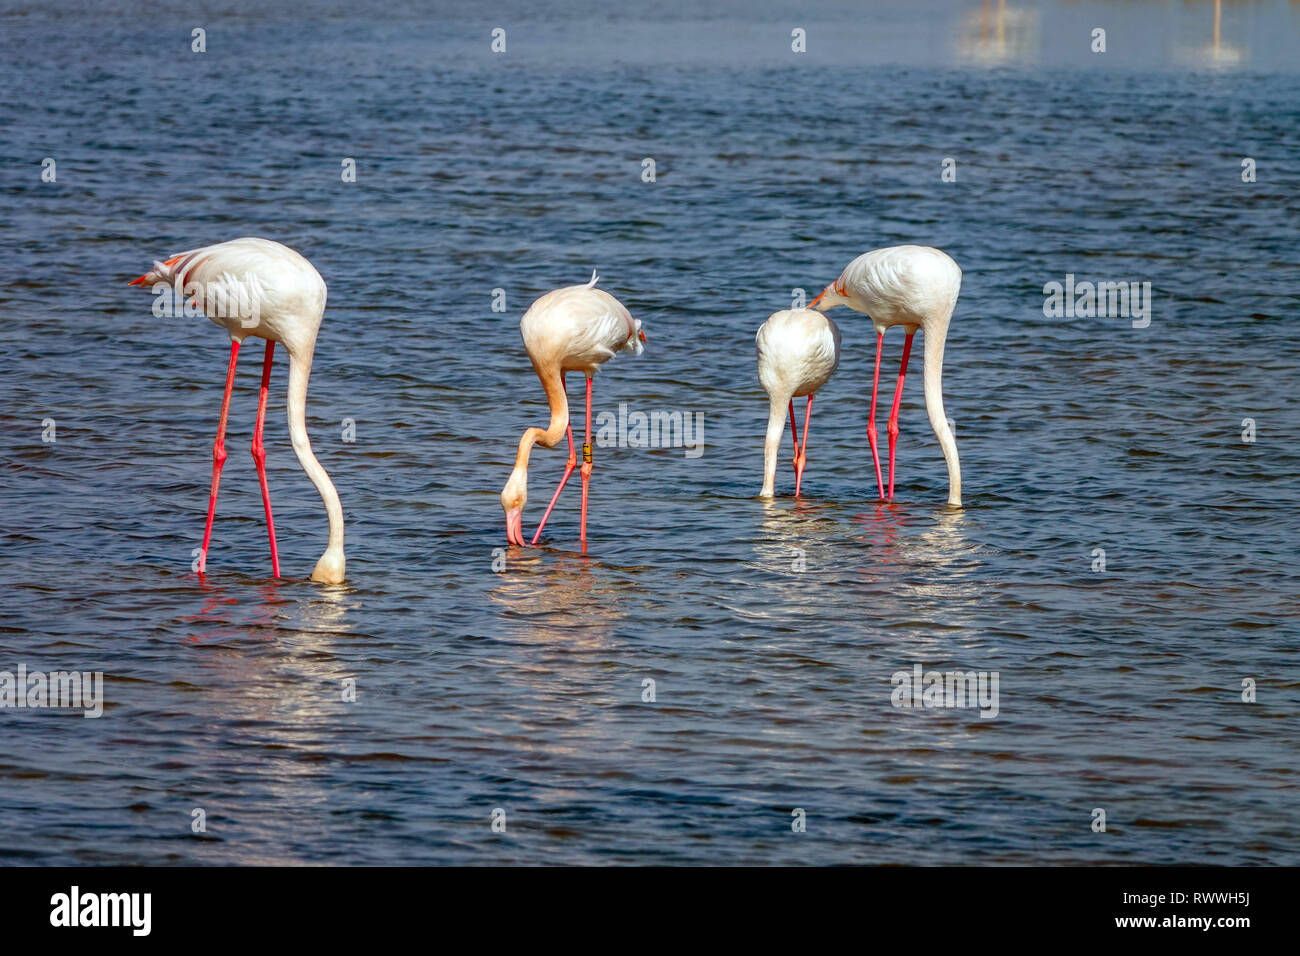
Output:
x=915 y=287
x=262 y=288
x=574 y=329
x=798 y=352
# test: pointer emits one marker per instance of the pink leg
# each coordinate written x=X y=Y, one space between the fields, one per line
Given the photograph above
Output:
x=259 y=454
x=586 y=467
x=871 y=423
x=893 y=414
x=794 y=429
x=801 y=451
x=218 y=456
x=568 y=470
x=794 y=436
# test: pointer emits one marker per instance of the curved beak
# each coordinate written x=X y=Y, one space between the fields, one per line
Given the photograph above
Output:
x=641 y=332
x=515 y=527
x=813 y=303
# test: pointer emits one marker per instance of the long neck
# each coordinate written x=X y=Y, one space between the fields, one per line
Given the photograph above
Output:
x=772 y=447
x=299 y=370
x=934 y=339
x=553 y=381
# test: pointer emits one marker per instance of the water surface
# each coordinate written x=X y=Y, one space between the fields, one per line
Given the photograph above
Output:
x=522 y=688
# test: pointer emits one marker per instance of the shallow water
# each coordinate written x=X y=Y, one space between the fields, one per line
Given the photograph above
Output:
x=522 y=689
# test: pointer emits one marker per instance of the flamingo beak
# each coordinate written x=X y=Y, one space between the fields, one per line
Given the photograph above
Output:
x=838 y=290
x=641 y=332
x=144 y=278
x=515 y=527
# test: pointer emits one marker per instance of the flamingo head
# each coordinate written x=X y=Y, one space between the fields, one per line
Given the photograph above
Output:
x=330 y=567
x=832 y=295
x=513 y=498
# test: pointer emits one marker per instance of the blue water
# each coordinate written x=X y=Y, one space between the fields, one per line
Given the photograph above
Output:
x=521 y=689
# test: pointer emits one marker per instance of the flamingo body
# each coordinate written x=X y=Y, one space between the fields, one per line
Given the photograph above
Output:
x=258 y=287
x=578 y=329
x=798 y=352
x=574 y=329
x=915 y=287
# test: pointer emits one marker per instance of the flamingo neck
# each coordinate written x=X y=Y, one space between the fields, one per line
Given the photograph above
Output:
x=772 y=447
x=553 y=382
x=933 y=381
x=330 y=567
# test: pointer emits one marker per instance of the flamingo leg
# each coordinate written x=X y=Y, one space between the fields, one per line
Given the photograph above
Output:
x=259 y=453
x=893 y=414
x=871 y=422
x=586 y=467
x=568 y=470
x=801 y=451
x=218 y=455
x=794 y=432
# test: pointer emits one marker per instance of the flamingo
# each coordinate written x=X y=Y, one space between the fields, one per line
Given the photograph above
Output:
x=798 y=352
x=574 y=329
x=915 y=287
x=262 y=288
